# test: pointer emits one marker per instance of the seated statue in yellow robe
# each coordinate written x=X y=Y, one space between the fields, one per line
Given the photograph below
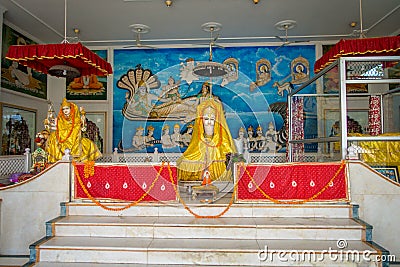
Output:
x=68 y=135
x=211 y=142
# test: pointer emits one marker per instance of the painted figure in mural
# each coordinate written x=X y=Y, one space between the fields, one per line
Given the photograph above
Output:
x=205 y=93
x=270 y=139
x=211 y=143
x=282 y=87
x=263 y=71
x=187 y=71
x=232 y=64
x=141 y=103
x=138 y=140
x=149 y=138
x=176 y=137
x=170 y=92
x=241 y=141
x=187 y=136
x=68 y=135
x=86 y=82
x=271 y=132
x=260 y=139
x=300 y=72
x=166 y=140
x=251 y=141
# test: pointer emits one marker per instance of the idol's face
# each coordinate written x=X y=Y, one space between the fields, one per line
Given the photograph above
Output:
x=241 y=134
x=209 y=122
x=250 y=133
x=66 y=110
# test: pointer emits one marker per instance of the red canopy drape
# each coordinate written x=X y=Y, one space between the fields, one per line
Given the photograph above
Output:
x=382 y=46
x=41 y=57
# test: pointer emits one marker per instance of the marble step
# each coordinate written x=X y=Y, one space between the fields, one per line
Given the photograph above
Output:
x=9 y=261
x=190 y=227
x=236 y=210
x=92 y=264
x=199 y=252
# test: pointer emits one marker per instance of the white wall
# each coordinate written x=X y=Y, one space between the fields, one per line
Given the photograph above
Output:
x=27 y=206
x=379 y=200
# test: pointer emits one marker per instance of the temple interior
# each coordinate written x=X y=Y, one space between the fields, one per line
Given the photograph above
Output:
x=245 y=154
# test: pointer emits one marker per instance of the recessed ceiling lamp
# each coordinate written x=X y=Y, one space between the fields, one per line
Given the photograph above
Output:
x=256 y=1
x=168 y=3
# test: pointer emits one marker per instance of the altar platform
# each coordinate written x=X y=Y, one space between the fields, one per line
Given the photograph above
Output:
x=284 y=183
x=231 y=231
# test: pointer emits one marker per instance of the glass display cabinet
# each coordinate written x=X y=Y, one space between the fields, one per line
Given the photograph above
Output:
x=349 y=109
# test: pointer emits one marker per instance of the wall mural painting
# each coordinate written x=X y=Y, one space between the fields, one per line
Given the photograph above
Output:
x=15 y=76
x=156 y=94
x=89 y=87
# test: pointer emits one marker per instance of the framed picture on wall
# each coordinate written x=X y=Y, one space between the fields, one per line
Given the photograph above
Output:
x=18 y=126
x=390 y=172
x=89 y=87
x=96 y=125
x=15 y=76
x=357 y=121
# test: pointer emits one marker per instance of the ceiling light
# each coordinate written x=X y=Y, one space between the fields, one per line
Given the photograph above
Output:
x=256 y=1
x=168 y=3
x=64 y=71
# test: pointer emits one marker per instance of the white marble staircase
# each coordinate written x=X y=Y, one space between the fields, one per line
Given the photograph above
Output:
x=152 y=234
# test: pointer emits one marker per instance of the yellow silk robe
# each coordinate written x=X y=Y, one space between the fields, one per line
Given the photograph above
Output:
x=207 y=152
x=69 y=135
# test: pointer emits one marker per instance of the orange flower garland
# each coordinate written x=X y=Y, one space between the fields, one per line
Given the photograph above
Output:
x=296 y=201
x=88 y=169
x=98 y=203
x=191 y=211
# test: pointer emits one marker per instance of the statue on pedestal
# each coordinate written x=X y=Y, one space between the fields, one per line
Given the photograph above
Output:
x=210 y=144
x=68 y=135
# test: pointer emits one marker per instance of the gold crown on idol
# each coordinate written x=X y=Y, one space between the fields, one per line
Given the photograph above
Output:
x=209 y=110
x=259 y=128
x=241 y=129
x=140 y=128
x=65 y=103
x=166 y=126
x=150 y=128
x=177 y=125
x=250 y=128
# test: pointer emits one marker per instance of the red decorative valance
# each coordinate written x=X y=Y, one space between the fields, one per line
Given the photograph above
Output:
x=41 y=57
x=382 y=46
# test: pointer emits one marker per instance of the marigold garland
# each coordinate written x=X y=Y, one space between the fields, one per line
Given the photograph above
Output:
x=191 y=211
x=72 y=125
x=98 y=203
x=276 y=201
x=88 y=169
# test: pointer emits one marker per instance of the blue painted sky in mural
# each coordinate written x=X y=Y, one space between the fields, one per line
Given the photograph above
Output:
x=243 y=106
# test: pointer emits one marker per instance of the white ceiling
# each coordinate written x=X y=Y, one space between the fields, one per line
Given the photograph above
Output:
x=106 y=22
